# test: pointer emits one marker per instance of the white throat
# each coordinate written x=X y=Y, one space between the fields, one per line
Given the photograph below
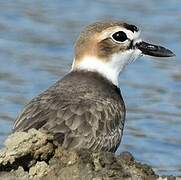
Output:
x=109 y=68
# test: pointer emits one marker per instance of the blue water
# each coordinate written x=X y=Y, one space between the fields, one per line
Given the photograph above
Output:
x=36 y=49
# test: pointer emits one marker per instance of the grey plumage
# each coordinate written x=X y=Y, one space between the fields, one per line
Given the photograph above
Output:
x=83 y=110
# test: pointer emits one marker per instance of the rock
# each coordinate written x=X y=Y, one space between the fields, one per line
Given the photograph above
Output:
x=34 y=155
x=25 y=149
x=40 y=169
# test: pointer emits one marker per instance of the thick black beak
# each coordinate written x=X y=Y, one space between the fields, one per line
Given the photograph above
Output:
x=154 y=50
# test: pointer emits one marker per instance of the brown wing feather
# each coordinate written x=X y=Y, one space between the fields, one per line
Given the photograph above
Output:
x=76 y=119
x=84 y=124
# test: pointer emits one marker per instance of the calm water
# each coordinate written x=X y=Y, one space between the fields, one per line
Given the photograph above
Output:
x=36 y=49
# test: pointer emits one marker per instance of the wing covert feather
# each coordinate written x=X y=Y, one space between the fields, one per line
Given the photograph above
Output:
x=78 y=117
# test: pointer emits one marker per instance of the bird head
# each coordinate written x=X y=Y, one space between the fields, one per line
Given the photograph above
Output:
x=107 y=47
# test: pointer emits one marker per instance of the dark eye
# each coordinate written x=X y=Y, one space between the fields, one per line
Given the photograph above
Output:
x=120 y=36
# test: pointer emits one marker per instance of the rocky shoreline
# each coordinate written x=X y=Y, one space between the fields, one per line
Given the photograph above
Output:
x=34 y=155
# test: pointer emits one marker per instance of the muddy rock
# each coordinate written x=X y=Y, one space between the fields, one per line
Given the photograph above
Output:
x=34 y=155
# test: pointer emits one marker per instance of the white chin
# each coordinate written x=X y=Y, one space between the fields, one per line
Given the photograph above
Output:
x=121 y=59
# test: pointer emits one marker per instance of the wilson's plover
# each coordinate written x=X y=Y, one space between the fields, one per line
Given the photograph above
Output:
x=85 y=109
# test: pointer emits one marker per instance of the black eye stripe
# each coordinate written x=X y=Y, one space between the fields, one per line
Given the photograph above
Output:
x=120 y=36
x=131 y=27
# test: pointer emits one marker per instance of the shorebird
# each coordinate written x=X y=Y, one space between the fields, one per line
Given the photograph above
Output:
x=85 y=109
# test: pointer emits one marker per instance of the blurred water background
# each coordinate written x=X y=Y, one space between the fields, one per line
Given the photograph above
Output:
x=36 y=49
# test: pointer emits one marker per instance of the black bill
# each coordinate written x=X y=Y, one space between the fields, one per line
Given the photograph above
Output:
x=154 y=50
